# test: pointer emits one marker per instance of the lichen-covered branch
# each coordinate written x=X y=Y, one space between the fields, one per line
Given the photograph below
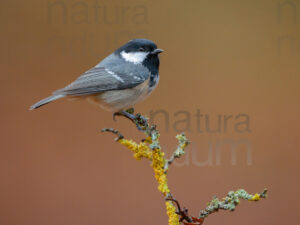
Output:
x=150 y=149
x=230 y=201
x=183 y=142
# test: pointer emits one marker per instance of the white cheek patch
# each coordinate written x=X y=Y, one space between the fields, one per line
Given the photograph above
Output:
x=134 y=57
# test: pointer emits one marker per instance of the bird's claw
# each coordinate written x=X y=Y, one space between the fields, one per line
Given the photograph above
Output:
x=140 y=121
x=125 y=114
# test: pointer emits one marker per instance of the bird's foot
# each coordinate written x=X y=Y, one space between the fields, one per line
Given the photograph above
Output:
x=124 y=113
x=140 y=121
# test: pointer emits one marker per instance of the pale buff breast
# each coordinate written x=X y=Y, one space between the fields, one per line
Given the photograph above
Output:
x=121 y=99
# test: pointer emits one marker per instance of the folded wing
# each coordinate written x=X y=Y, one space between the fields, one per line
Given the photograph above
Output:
x=100 y=79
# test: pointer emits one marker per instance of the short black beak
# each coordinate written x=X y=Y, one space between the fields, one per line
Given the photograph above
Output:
x=157 y=51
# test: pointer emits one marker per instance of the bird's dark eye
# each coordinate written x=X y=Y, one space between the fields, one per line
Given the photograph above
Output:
x=142 y=49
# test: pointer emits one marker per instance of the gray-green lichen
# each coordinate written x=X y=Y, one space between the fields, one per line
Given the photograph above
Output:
x=230 y=201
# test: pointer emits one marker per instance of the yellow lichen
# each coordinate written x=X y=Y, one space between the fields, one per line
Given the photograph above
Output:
x=142 y=150
x=171 y=212
x=158 y=163
x=148 y=140
x=255 y=197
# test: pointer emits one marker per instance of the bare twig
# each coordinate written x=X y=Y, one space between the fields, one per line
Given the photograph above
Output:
x=120 y=136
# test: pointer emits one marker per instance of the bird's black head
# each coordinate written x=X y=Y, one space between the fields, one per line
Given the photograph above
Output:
x=141 y=51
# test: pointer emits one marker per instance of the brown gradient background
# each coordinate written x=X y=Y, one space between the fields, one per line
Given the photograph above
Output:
x=221 y=57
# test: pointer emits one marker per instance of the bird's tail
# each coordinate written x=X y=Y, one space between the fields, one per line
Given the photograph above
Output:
x=46 y=101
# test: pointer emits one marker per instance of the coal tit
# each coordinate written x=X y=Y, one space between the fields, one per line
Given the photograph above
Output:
x=122 y=79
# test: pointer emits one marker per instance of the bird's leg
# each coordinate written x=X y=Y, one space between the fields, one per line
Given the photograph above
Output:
x=125 y=114
x=139 y=120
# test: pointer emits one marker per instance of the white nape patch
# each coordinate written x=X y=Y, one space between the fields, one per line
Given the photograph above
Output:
x=134 y=57
x=114 y=75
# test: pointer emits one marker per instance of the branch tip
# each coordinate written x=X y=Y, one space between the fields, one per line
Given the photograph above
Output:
x=116 y=132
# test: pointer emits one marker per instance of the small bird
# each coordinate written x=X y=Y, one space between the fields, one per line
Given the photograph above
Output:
x=118 y=82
